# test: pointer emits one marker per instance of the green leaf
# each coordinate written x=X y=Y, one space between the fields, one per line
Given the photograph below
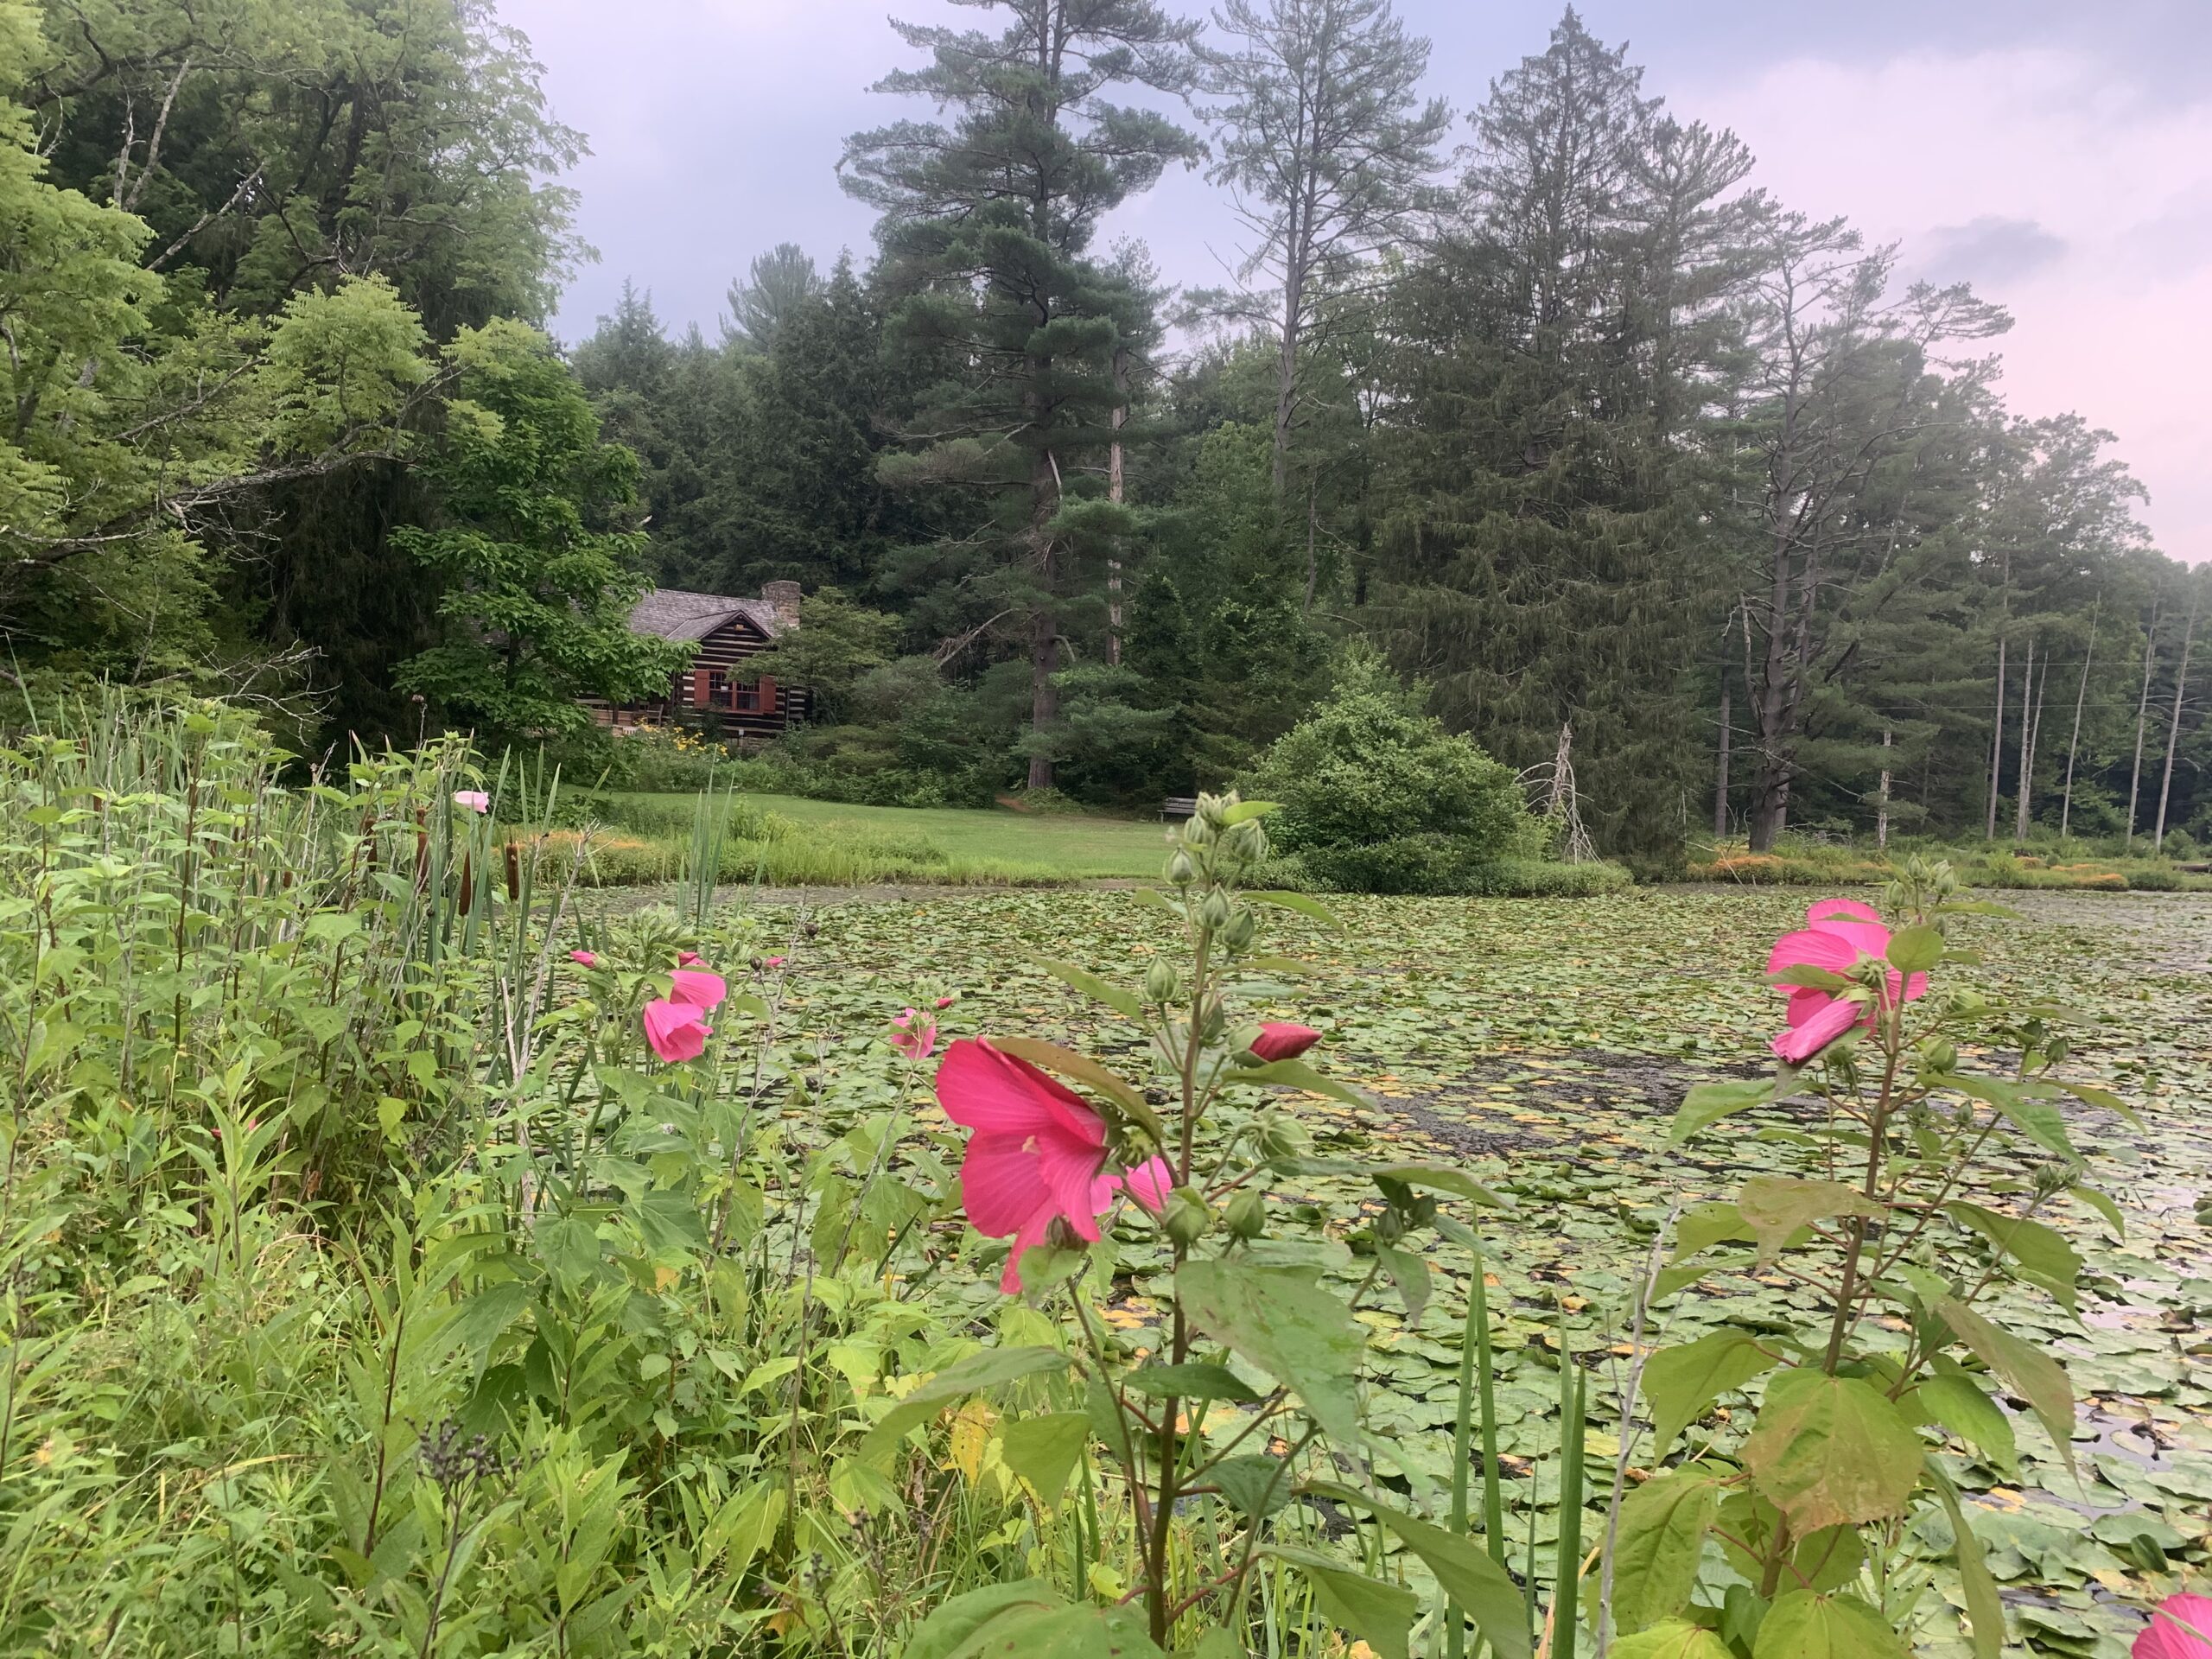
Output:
x=1805 y=976
x=1044 y=1450
x=1673 y=1640
x=2041 y=1255
x=1243 y=809
x=1121 y=1001
x=988 y=1367
x=485 y=1316
x=1284 y=1322
x=1708 y=1103
x=1463 y=1571
x=1802 y=1625
x=1296 y=1074
x=1775 y=1206
x=1377 y=1613
x=1437 y=1177
x=2103 y=1205
x=1984 y=1609
x=1663 y=1525
x=1255 y=1485
x=1915 y=949
x=2031 y=1374
x=1680 y=1384
x=2089 y=1096
x=1957 y=1402
x=2038 y=1120
x=1000 y=1621
x=1313 y=909
x=1409 y=1273
x=1051 y=1057
x=1189 y=1382
x=1831 y=1451
x=1706 y=1225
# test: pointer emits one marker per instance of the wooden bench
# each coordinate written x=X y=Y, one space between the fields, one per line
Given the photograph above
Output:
x=1179 y=806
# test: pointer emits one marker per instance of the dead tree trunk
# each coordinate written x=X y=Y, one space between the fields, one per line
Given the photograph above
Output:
x=1114 y=494
x=1720 y=775
x=2025 y=787
x=1996 y=746
x=2074 y=743
x=2142 y=714
x=2173 y=727
x=1882 y=797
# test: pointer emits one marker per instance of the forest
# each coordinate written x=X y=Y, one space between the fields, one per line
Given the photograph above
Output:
x=1532 y=390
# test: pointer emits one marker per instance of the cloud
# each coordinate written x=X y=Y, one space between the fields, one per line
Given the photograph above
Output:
x=1985 y=251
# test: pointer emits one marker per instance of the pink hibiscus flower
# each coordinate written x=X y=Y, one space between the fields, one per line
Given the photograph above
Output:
x=687 y=958
x=677 y=1031
x=474 y=799
x=914 y=1034
x=583 y=958
x=1038 y=1155
x=697 y=988
x=2180 y=1628
x=1838 y=934
x=1281 y=1040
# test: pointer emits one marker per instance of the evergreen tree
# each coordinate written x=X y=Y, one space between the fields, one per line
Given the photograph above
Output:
x=987 y=224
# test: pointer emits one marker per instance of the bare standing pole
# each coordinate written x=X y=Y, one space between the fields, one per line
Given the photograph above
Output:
x=2173 y=726
x=2074 y=743
x=2142 y=712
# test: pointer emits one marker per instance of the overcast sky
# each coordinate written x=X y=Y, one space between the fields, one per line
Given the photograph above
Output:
x=2056 y=153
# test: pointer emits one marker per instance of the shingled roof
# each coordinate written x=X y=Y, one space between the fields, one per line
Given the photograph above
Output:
x=671 y=613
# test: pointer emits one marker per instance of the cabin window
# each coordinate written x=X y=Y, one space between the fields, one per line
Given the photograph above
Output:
x=748 y=699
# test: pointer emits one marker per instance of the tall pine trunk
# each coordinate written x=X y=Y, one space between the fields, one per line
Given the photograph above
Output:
x=2142 y=714
x=1114 y=484
x=1882 y=797
x=2173 y=727
x=1044 y=622
x=1721 y=771
x=1996 y=746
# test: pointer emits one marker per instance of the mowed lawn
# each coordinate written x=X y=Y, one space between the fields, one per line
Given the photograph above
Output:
x=961 y=845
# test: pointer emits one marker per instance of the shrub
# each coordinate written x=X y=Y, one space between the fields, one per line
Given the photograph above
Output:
x=1376 y=795
x=1536 y=878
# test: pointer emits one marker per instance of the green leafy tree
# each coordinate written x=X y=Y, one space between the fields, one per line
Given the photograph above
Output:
x=538 y=585
x=837 y=643
x=1375 y=794
x=986 y=223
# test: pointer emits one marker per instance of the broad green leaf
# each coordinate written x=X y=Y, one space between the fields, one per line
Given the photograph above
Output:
x=1044 y=1449
x=1409 y=1273
x=1245 y=809
x=1915 y=949
x=1463 y=1570
x=2038 y=1120
x=1255 y=1486
x=2041 y=1255
x=1313 y=909
x=1680 y=1384
x=1673 y=1640
x=744 y=1526
x=1805 y=976
x=1708 y=1224
x=2103 y=1205
x=1831 y=1451
x=1379 y=1614
x=1051 y=1057
x=1984 y=1609
x=988 y=1367
x=1296 y=1074
x=1285 y=1321
x=1957 y=1402
x=1775 y=1206
x=1803 y=1625
x=2032 y=1374
x=1121 y=1001
x=1663 y=1525
x=2090 y=1096
x=1437 y=1177
x=1028 y=1619
x=1188 y=1382
x=485 y=1316
x=1708 y=1103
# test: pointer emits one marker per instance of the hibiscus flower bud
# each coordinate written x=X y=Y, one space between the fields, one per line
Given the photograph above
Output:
x=1181 y=871
x=1213 y=912
x=1242 y=928
x=1247 y=841
x=1246 y=1214
x=1187 y=1216
x=1938 y=1056
x=1159 y=982
x=1280 y=1137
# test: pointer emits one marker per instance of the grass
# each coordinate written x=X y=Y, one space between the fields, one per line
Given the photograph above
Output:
x=787 y=841
x=2075 y=867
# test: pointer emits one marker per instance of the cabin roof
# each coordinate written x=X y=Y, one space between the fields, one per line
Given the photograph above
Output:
x=672 y=614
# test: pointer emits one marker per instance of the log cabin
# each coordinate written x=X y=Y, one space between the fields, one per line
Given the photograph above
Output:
x=706 y=694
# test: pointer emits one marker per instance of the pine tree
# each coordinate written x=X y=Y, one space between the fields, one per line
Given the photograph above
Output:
x=986 y=223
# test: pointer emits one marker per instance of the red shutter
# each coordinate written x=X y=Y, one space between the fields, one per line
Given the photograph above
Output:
x=768 y=695
x=701 y=688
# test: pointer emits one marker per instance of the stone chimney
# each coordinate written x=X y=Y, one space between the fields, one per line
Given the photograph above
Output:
x=782 y=597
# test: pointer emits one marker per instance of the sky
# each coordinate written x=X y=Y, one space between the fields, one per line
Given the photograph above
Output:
x=2056 y=155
